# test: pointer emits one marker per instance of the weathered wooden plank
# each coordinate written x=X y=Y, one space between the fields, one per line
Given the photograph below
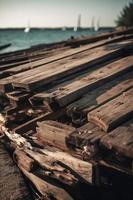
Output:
x=36 y=51
x=10 y=65
x=76 y=166
x=32 y=124
x=47 y=190
x=120 y=140
x=20 y=114
x=60 y=53
x=33 y=57
x=6 y=83
x=46 y=57
x=33 y=50
x=82 y=168
x=48 y=167
x=114 y=112
x=77 y=88
x=100 y=96
x=15 y=68
x=25 y=161
x=77 y=41
x=54 y=133
x=18 y=95
x=85 y=40
x=45 y=74
x=87 y=138
x=27 y=55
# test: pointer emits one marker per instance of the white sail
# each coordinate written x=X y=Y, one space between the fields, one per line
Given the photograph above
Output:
x=27 y=29
x=97 y=25
x=76 y=28
x=64 y=28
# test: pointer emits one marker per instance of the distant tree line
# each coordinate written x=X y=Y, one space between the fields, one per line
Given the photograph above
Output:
x=125 y=19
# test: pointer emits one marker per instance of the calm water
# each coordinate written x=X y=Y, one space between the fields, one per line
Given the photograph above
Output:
x=21 y=40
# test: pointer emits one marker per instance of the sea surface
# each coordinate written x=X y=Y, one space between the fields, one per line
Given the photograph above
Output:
x=21 y=40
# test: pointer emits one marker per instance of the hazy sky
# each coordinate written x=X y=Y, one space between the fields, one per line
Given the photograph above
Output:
x=55 y=13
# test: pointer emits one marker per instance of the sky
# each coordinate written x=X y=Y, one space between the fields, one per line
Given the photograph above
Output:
x=58 y=13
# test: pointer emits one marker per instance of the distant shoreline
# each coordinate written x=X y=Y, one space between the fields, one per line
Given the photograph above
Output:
x=59 y=28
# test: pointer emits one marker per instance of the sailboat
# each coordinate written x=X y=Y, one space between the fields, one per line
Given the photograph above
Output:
x=76 y=28
x=63 y=28
x=27 y=29
x=96 y=28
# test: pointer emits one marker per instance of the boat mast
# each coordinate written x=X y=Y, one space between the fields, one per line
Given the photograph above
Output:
x=92 y=23
x=78 y=27
x=79 y=22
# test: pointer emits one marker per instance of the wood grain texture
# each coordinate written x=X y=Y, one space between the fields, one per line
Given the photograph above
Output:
x=55 y=55
x=120 y=139
x=47 y=190
x=88 y=136
x=54 y=133
x=100 y=95
x=114 y=112
x=46 y=74
x=77 y=88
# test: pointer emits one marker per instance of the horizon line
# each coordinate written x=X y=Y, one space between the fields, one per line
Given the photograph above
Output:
x=42 y=27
